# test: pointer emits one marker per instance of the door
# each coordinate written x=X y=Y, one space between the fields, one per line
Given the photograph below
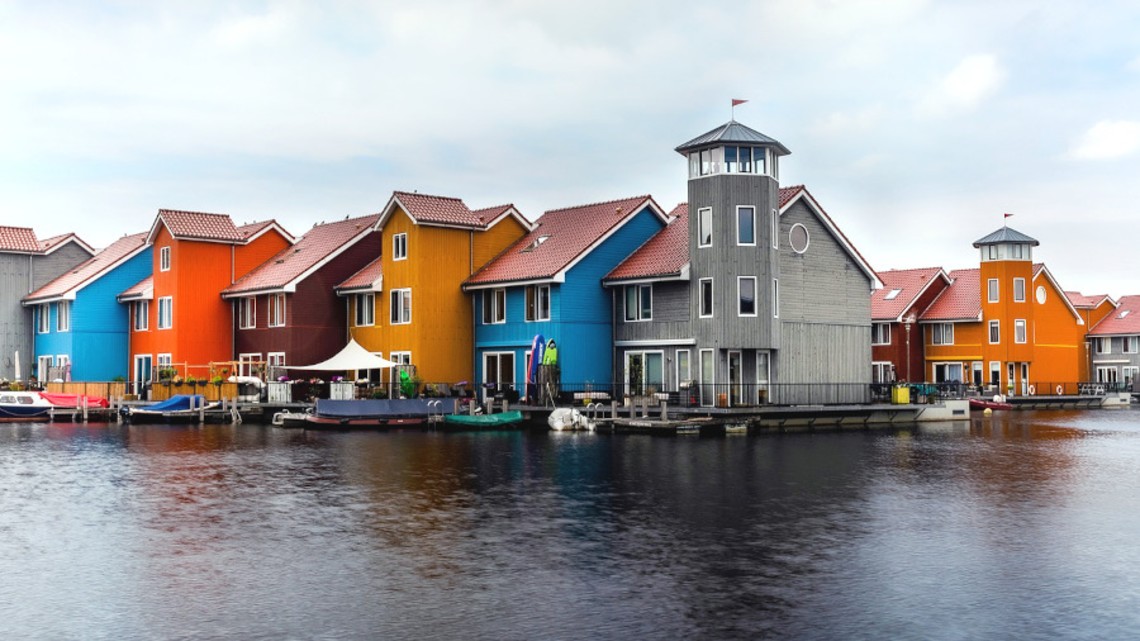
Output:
x=707 y=378
x=498 y=373
x=142 y=371
x=763 y=376
x=735 y=379
x=1024 y=378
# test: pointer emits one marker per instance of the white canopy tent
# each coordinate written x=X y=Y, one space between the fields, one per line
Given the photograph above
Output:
x=352 y=357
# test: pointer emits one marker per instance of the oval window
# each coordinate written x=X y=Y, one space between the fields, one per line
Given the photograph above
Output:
x=798 y=238
x=1040 y=294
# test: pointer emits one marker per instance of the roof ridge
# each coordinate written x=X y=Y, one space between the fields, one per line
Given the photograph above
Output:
x=597 y=204
x=416 y=193
x=162 y=210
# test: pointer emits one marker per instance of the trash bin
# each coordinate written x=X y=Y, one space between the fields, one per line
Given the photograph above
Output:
x=900 y=395
x=722 y=400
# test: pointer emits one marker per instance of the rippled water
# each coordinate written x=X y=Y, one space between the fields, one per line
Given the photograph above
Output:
x=1022 y=527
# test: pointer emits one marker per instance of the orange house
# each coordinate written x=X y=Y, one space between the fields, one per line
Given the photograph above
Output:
x=1008 y=326
x=178 y=316
x=407 y=306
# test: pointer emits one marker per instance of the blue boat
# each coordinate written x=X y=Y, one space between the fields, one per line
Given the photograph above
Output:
x=177 y=407
x=24 y=406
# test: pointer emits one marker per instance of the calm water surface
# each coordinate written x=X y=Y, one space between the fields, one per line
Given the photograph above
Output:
x=1006 y=528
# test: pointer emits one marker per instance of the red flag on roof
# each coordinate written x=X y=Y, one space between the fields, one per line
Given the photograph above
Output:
x=738 y=101
x=1008 y=215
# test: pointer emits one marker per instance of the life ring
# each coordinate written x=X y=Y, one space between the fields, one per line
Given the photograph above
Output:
x=1032 y=390
x=1060 y=390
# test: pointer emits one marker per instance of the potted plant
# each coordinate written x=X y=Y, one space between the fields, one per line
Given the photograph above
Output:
x=217 y=380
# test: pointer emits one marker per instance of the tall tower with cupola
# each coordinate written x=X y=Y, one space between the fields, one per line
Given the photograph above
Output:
x=1006 y=279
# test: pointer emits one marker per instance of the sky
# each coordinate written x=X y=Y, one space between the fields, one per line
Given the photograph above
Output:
x=915 y=124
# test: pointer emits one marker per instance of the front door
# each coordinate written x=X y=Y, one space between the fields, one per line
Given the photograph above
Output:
x=498 y=373
x=142 y=371
x=735 y=378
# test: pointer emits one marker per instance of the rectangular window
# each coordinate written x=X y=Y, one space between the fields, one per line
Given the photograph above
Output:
x=276 y=310
x=638 y=302
x=706 y=298
x=274 y=363
x=942 y=334
x=708 y=378
x=775 y=231
x=746 y=225
x=684 y=373
x=401 y=306
x=43 y=318
x=538 y=302
x=63 y=316
x=164 y=259
x=1019 y=331
x=746 y=295
x=995 y=373
x=881 y=372
x=247 y=312
x=993 y=252
x=995 y=332
x=164 y=361
x=365 y=310
x=1017 y=251
x=142 y=315
x=992 y=289
x=1103 y=345
x=494 y=306
x=1130 y=344
x=704 y=227
x=880 y=333
x=248 y=363
x=1019 y=290
x=1129 y=372
x=775 y=298
x=43 y=368
x=166 y=312
x=399 y=246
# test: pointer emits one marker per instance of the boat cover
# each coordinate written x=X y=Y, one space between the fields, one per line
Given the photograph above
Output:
x=380 y=408
x=485 y=420
x=73 y=400
x=176 y=403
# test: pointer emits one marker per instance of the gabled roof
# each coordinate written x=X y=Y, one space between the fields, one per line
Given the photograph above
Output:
x=293 y=264
x=560 y=238
x=251 y=231
x=22 y=240
x=445 y=211
x=1124 y=321
x=55 y=242
x=1080 y=301
x=961 y=301
x=901 y=290
x=1005 y=235
x=212 y=228
x=67 y=284
x=664 y=255
x=731 y=132
x=1039 y=269
x=370 y=278
x=799 y=192
x=142 y=290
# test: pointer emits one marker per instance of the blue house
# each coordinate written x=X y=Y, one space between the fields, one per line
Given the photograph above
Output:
x=80 y=329
x=549 y=284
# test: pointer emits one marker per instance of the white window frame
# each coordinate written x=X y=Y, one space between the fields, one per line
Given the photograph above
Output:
x=247 y=312
x=994 y=327
x=739 y=210
x=775 y=231
x=1103 y=344
x=704 y=224
x=274 y=359
x=688 y=372
x=494 y=306
x=993 y=291
x=938 y=334
x=43 y=367
x=701 y=312
x=711 y=400
x=400 y=246
x=63 y=316
x=246 y=363
x=168 y=303
x=141 y=311
x=1129 y=373
x=400 y=310
x=740 y=298
x=880 y=371
x=43 y=318
x=640 y=294
x=1130 y=344
x=1019 y=290
x=775 y=298
x=880 y=333
x=164 y=259
x=644 y=354
x=536 y=310
x=995 y=368
x=364 y=310
x=1020 y=332
x=276 y=312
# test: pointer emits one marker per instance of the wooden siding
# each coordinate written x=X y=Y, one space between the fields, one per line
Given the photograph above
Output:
x=823 y=284
x=671 y=314
x=823 y=353
x=492 y=242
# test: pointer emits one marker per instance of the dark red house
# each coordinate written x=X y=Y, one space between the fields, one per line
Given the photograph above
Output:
x=286 y=311
x=896 y=339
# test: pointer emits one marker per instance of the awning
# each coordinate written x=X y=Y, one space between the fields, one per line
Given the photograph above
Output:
x=353 y=356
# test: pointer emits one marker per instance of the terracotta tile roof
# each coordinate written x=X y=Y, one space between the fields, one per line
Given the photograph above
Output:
x=441 y=210
x=251 y=229
x=665 y=254
x=54 y=241
x=199 y=226
x=364 y=279
x=788 y=193
x=1087 y=302
x=90 y=269
x=142 y=290
x=1125 y=319
x=487 y=214
x=962 y=300
x=901 y=288
x=291 y=263
x=19 y=239
x=559 y=237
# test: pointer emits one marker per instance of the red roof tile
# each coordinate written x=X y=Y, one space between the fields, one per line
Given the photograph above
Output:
x=1125 y=319
x=962 y=300
x=364 y=279
x=291 y=263
x=19 y=239
x=487 y=214
x=901 y=288
x=665 y=254
x=440 y=210
x=199 y=226
x=90 y=269
x=251 y=229
x=142 y=290
x=788 y=193
x=1087 y=302
x=559 y=237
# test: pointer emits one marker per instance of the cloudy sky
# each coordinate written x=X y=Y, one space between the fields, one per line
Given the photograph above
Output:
x=915 y=124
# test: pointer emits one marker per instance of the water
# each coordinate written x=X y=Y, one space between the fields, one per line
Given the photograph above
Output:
x=1021 y=527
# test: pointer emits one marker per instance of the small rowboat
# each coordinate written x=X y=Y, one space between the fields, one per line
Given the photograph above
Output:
x=482 y=421
x=982 y=404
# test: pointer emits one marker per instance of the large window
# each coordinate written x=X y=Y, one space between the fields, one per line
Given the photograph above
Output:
x=43 y=318
x=995 y=332
x=498 y=371
x=1131 y=344
x=992 y=290
x=164 y=259
x=942 y=334
x=165 y=312
x=248 y=363
x=401 y=306
x=399 y=246
x=1019 y=331
x=706 y=298
x=1019 y=290
x=638 y=302
x=142 y=315
x=644 y=372
x=684 y=372
x=276 y=310
x=746 y=299
x=882 y=372
x=538 y=302
x=880 y=333
x=63 y=316
x=365 y=310
x=745 y=225
x=704 y=227
x=494 y=306
x=247 y=312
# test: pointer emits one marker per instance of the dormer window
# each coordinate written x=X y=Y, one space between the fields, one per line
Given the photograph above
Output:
x=537 y=241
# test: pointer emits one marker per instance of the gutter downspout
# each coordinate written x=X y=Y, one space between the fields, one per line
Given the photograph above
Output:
x=613 y=343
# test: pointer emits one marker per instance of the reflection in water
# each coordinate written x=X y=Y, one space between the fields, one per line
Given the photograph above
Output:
x=1011 y=526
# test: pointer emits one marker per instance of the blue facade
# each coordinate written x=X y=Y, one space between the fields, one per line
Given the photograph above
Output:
x=96 y=345
x=581 y=313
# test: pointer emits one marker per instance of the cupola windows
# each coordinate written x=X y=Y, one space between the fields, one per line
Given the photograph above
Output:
x=732 y=159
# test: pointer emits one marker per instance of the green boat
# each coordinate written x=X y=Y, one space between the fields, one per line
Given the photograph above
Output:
x=483 y=421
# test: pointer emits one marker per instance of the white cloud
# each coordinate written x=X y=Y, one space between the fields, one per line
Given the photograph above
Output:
x=973 y=80
x=1108 y=139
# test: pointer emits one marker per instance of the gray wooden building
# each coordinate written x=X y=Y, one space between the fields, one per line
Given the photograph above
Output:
x=26 y=264
x=751 y=295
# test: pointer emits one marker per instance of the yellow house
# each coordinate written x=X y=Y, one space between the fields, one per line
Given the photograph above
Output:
x=407 y=305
